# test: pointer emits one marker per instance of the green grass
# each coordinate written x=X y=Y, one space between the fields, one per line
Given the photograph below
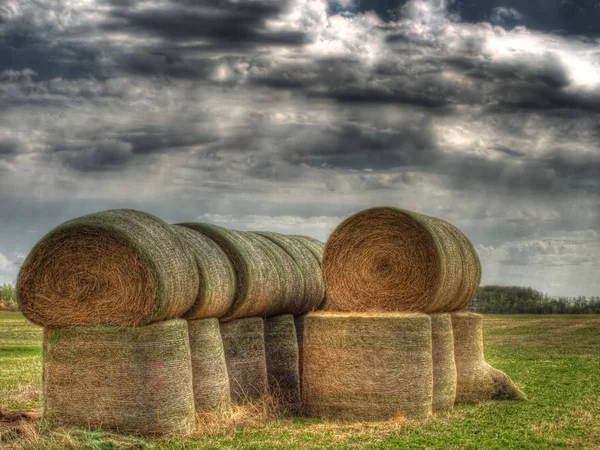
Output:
x=554 y=359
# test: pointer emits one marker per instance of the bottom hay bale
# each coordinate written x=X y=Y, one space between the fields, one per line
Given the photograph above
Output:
x=244 y=345
x=299 y=323
x=476 y=379
x=367 y=366
x=281 y=348
x=444 y=366
x=130 y=380
x=209 y=369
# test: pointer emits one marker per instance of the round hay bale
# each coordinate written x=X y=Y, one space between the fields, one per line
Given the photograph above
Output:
x=244 y=345
x=314 y=289
x=119 y=267
x=388 y=259
x=209 y=369
x=258 y=286
x=360 y=366
x=291 y=283
x=131 y=380
x=476 y=379
x=444 y=367
x=316 y=247
x=281 y=348
x=217 y=288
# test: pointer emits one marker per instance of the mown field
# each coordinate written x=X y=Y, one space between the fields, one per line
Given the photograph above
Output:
x=554 y=359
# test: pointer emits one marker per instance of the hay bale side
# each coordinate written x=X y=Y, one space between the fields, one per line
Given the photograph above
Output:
x=388 y=259
x=209 y=369
x=299 y=323
x=291 y=282
x=281 y=348
x=476 y=379
x=131 y=380
x=360 y=366
x=315 y=246
x=310 y=268
x=258 y=285
x=444 y=367
x=119 y=267
x=244 y=345
x=217 y=285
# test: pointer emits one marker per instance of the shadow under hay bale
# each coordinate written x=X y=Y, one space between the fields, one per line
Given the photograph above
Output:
x=217 y=288
x=476 y=379
x=387 y=259
x=258 y=285
x=360 y=366
x=118 y=267
x=299 y=323
x=310 y=270
x=444 y=367
x=281 y=348
x=131 y=380
x=244 y=345
x=209 y=369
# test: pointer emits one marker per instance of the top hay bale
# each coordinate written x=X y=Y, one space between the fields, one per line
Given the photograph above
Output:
x=117 y=267
x=388 y=259
x=217 y=286
x=258 y=281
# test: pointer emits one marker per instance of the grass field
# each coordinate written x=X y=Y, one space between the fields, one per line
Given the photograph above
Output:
x=554 y=359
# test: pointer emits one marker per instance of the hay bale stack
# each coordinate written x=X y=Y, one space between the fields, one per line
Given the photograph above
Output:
x=209 y=369
x=131 y=380
x=367 y=366
x=316 y=247
x=244 y=345
x=281 y=347
x=388 y=259
x=119 y=267
x=258 y=286
x=291 y=283
x=476 y=379
x=310 y=271
x=217 y=286
x=444 y=367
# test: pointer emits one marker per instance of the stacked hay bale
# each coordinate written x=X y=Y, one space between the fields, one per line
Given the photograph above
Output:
x=108 y=288
x=381 y=262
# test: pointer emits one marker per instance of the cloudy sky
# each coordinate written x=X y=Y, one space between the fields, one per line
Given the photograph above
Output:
x=290 y=115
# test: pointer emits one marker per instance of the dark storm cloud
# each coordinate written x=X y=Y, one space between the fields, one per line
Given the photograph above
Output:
x=9 y=147
x=241 y=23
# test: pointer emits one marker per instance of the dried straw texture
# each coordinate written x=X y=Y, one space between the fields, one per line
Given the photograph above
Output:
x=258 y=286
x=299 y=322
x=209 y=369
x=316 y=247
x=361 y=366
x=387 y=259
x=476 y=379
x=291 y=284
x=131 y=380
x=281 y=348
x=118 y=267
x=244 y=345
x=310 y=271
x=217 y=287
x=444 y=367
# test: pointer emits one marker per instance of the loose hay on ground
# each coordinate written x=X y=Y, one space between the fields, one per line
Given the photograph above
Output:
x=209 y=369
x=367 y=366
x=476 y=379
x=244 y=345
x=131 y=380
x=387 y=259
x=281 y=348
x=119 y=267
x=444 y=367
x=217 y=288
x=258 y=284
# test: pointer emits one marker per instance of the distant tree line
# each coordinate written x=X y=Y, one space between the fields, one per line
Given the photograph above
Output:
x=8 y=298
x=525 y=300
